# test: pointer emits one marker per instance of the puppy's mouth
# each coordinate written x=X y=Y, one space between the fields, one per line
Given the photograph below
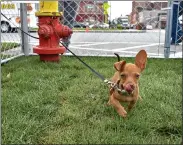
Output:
x=128 y=88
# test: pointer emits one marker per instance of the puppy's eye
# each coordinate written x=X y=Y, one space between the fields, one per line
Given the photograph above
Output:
x=137 y=76
x=123 y=75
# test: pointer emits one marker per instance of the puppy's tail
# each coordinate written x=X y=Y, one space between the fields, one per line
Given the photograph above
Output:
x=117 y=56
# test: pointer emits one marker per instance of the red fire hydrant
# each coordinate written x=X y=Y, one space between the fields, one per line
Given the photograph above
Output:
x=50 y=32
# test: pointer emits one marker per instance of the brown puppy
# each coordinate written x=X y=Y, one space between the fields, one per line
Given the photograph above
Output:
x=126 y=77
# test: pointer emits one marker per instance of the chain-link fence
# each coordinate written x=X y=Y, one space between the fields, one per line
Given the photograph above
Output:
x=177 y=31
x=11 y=37
x=102 y=27
x=10 y=43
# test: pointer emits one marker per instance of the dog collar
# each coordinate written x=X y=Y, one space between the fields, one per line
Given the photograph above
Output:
x=116 y=86
x=121 y=91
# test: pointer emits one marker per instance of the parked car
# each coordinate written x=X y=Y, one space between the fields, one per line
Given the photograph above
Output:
x=79 y=25
x=104 y=25
x=99 y=25
x=12 y=21
x=125 y=26
x=140 y=26
x=94 y=26
x=133 y=26
x=149 y=27
x=113 y=24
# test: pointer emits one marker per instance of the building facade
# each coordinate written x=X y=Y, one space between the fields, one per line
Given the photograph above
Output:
x=90 y=11
x=148 y=13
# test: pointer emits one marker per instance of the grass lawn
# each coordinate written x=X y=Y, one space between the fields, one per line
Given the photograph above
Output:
x=8 y=45
x=3 y=56
x=54 y=103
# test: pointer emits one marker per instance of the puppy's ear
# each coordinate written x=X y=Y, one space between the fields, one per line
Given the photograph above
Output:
x=119 y=65
x=141 y=59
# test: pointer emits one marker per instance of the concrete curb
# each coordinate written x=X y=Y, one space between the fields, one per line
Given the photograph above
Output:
x=110 y=31
x=106 y=31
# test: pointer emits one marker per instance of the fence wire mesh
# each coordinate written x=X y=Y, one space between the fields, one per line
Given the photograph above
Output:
x=100 y=27
x=178 y=8
x=10 y=39
x=99 y=34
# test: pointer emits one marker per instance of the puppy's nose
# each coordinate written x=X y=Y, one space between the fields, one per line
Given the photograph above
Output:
x=129 y=88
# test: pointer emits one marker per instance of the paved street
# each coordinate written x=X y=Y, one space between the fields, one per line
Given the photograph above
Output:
x=103 y=43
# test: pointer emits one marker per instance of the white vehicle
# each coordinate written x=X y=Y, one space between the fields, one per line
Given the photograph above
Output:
x=11 y=9
x=99 y=25
x=104 y=25
x=149 y=27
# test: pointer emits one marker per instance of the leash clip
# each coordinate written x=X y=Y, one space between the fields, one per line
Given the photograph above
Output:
x=112 y=84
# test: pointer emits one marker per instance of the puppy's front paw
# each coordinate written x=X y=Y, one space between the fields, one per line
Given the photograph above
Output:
x=122 y=113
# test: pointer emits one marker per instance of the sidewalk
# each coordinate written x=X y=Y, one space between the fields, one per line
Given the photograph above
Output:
x=110 y=31
x=105 y=31
x=176 y=52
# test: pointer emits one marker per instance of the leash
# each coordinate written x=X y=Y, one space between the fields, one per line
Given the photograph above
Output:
x=91 y=69
x=85 y=64
x=113 y=85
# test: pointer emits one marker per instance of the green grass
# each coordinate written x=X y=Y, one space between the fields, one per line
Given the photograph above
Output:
x=8 y=45
x=3 y=56
x=54 y=103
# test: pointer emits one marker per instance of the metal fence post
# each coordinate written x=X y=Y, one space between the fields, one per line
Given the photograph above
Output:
x=168 y=30
x=0 y=77
x=24 y=27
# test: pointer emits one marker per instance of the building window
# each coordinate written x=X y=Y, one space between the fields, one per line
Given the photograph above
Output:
x=90 y=8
